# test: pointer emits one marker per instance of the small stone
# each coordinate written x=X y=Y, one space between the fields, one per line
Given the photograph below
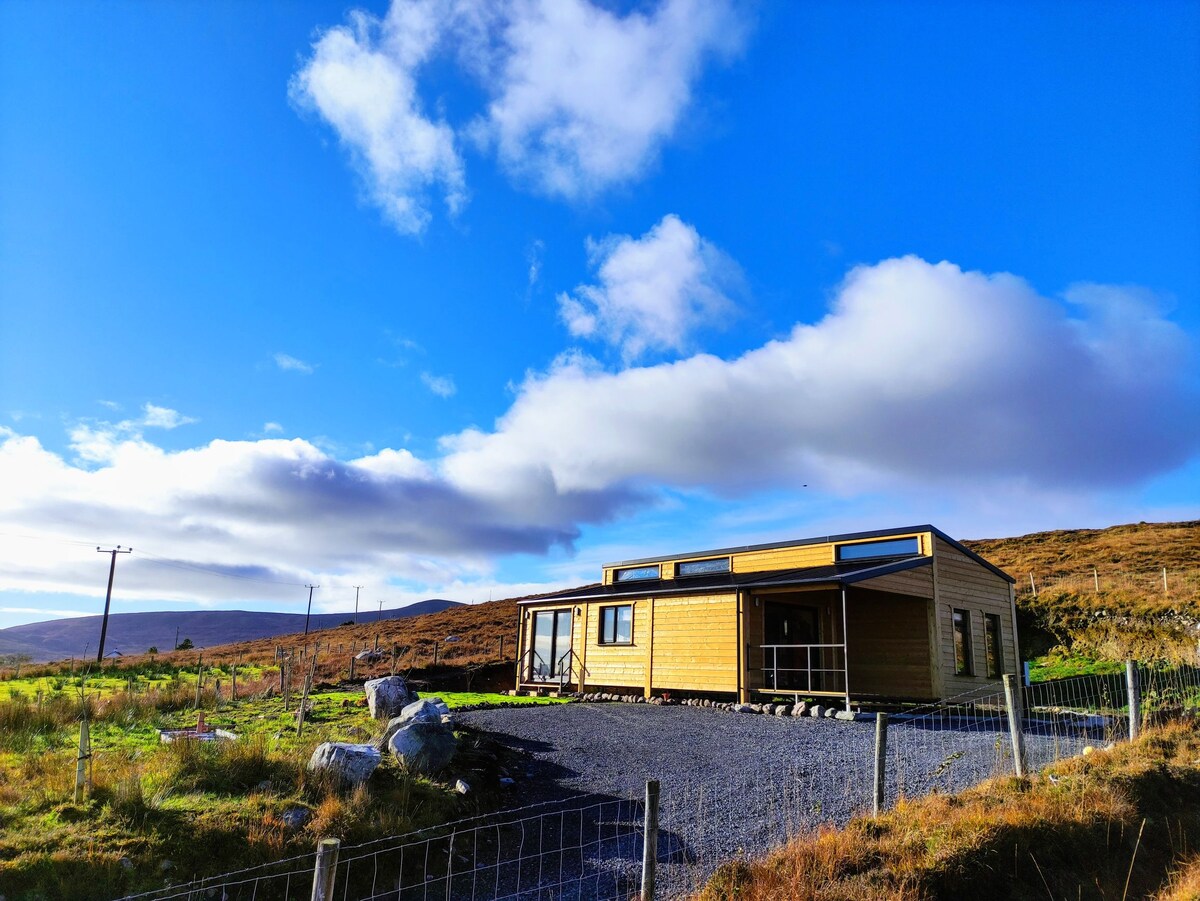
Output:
x=800 y=709
x=848 y=716
x=126 y=863
x=295 y=817
x=829 y=713
x=462 y=787
x=782 y=710
x=816 y=711
x=507 y=780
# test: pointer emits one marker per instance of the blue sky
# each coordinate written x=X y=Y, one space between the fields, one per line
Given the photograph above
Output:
x=461 y=300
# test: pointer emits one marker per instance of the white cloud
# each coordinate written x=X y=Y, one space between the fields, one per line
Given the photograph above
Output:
x=362 y=79
x=289 y=363
x=919 y=374
x=441 y=385
x=272 y=428
x=584 y=98
x=581 y=98
x=653 y=291
x=163 y=417
x=924 y=385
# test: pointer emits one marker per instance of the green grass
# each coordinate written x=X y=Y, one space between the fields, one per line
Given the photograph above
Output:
x=204 y=807
x=1063 y=664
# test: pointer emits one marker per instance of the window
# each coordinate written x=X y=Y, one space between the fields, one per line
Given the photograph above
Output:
x=703 y=567
x=993 y=646
x=616 y=624
x=963 y=663
x=636 y=573
x=889 y=547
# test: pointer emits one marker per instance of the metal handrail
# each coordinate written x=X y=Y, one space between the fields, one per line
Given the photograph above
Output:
x=808 y=668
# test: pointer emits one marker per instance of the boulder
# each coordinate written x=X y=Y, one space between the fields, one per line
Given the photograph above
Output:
x=386 y=697
x=353 y=764
x=427 y=710
x=423 y=747
x=368 y=656
x=800 y=709
x=783 y=710
x=816 y=711
x=830 y=713
x=848 y=716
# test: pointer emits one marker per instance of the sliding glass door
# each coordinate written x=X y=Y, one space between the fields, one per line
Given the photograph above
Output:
x=551 y=646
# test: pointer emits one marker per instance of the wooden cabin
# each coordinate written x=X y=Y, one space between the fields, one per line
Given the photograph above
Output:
x=896 y=614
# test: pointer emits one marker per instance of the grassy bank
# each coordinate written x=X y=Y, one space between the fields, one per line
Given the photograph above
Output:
x=159 y=813
x=1075 y=831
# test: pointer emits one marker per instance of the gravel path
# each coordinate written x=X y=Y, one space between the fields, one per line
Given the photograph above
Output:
x=732 y=784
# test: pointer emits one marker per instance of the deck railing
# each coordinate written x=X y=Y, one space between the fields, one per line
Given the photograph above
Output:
x=811 y=668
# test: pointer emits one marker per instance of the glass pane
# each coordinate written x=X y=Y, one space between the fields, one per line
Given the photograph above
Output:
x=624 y=624
x=994 y=661
x=635 y=573
x=697 y=567
x=543 y=643
x=562 y=643
x=962 y=643
x=891 y=547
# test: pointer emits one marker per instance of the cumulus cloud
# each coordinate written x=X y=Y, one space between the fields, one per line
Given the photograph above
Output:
x=584 y=98
x=163 y=417
x=288 y=363
x=921 y=378
x=579 y=97
x=920 y=373
x=653 y=292
x=441 y=385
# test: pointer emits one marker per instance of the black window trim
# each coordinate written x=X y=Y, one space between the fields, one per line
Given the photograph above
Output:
x=968 y=645
x=600 y=638
x=657 y=567
x=682 y=575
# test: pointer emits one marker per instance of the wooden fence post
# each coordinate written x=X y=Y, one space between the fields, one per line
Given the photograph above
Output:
x=1012 y=698
x=881 y=720
x=650 y=843
x=1134 y=690
x=325 y=872
x=199 y=678
x=85 y=751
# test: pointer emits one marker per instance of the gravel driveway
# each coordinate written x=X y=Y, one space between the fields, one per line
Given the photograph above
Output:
x=732 y=784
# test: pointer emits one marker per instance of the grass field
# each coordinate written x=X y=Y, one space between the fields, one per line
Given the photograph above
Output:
x=157 y=812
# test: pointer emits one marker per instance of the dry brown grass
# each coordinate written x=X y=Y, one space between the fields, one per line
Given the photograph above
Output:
x=1185 y=882
x=1070 y=833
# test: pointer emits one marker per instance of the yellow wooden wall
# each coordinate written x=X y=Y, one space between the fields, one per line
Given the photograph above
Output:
x=695 y=643
x=615 y=664
x=965 y=585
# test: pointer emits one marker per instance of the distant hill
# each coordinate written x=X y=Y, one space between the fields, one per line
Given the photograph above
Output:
x=134 y=633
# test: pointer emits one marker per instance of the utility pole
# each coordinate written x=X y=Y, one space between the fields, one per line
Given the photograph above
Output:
x=112 y=571
x=309 y=613
x=357 y=589
x=379 y=616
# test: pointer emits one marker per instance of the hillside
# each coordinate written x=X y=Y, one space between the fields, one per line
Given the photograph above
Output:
x=133 y=633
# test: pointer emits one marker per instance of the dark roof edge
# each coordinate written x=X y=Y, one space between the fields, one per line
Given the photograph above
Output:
x=827 y=539
x=645 y=589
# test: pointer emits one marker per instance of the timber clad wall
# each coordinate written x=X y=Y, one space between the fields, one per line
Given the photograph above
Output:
x=695 y=643
x=616 y=664
x=965 y=585
x=889 y=645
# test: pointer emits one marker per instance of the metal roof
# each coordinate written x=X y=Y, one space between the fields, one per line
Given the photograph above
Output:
x=831 y=574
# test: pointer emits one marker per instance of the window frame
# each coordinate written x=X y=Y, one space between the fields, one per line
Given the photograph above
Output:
x=619 y=574
x=915 y=540
x=680 y=574
x=615 y=611
x=962 y=629
x=993 y=645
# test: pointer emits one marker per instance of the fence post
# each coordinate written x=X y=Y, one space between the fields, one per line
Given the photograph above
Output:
x=1135 y=698
x=325 y=871
x=85 y=751
x=650 y=843
x=1012 y=700
x=881 y=720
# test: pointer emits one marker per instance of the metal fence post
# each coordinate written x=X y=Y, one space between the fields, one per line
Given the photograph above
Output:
x=1012 y=700
x=1133 y=688
x=325 y=871
x=650 y=844
x=881 y=720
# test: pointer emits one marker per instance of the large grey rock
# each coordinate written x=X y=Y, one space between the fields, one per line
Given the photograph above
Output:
x=800 y=709
x=368 y=656
x=386 y=697
x=426 y=710
x=816 y=710
x=423 y=747
x=353 y=764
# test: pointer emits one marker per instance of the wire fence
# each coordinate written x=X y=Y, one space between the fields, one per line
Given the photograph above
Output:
x=591 y=848
x=1170 y=583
